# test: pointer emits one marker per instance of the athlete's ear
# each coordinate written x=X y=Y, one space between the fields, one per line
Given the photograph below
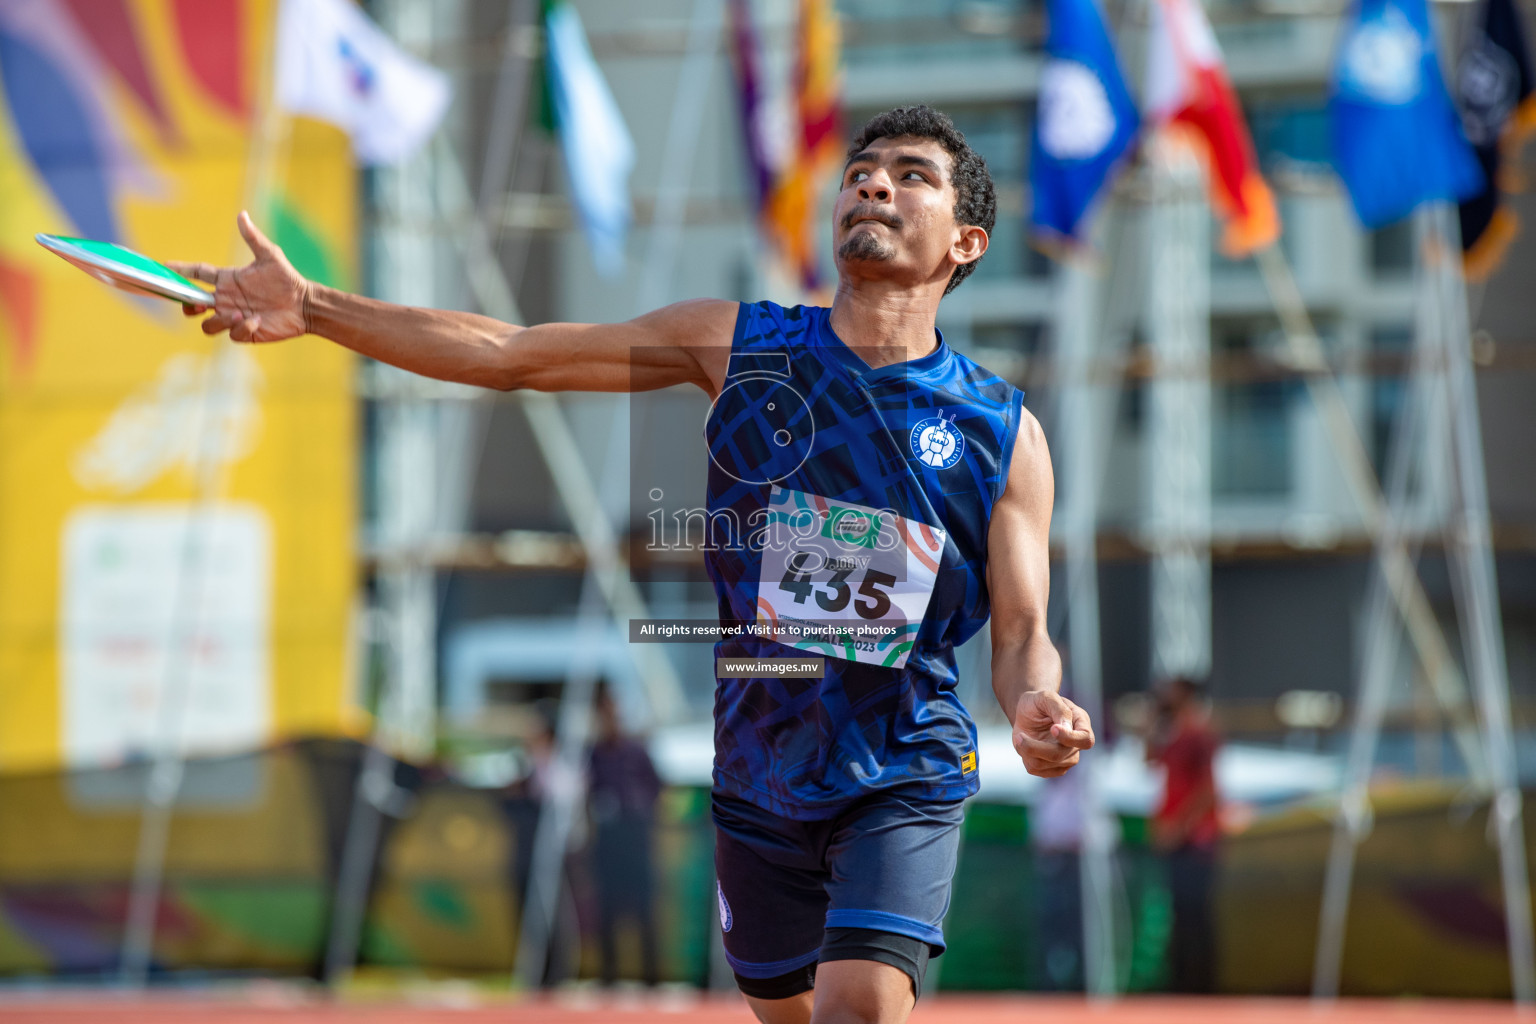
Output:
x=970 y=246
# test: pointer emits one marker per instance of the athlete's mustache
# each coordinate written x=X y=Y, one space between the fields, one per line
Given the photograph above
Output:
x=868 y=211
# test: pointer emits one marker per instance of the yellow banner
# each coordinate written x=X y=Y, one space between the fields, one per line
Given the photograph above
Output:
x=176 y=528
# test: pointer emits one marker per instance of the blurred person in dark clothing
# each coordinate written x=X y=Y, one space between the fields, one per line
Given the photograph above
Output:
x=1186 y=827
x=622 y=790
x=1056 y=825
x=547 y=779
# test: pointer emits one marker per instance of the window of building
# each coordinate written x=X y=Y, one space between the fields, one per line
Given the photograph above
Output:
x=1391 y=347
x=889 y=31
x=1251 y=445
x=1391 y=248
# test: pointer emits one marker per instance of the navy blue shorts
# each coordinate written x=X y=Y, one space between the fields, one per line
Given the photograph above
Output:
x=884 y=864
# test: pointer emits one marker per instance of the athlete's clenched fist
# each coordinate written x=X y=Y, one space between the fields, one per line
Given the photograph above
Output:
x=1050 y=732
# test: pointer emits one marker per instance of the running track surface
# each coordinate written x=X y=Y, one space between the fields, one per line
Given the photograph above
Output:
x=16 y=1008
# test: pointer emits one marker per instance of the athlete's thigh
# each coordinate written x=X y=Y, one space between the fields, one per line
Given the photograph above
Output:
x=892 y=860
x=772 y=897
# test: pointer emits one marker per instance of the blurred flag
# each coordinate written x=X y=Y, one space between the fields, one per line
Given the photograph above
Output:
x=599 y=152
x=746 y=52
x=1494 y=90
x=790 y=216
x=1397 y=141
x=1187 y=85
x=335 y=64
x=1087 y=121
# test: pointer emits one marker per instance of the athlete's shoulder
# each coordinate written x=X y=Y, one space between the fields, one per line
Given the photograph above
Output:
x=770 y=323
x=983 y=381
x=1029 y=463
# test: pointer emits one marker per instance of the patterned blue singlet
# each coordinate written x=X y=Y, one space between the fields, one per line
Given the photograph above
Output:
x=808 y=443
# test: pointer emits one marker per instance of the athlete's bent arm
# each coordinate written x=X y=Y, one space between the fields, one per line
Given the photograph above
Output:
x=267 y=300
x=1049 y=731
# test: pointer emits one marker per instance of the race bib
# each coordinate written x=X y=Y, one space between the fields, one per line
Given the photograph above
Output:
x=845 y=580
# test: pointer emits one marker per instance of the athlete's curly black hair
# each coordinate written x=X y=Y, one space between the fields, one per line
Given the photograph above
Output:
x=975 y=198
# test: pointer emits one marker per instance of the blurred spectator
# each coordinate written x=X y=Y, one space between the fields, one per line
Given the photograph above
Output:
x=548 y=779
x=1186 y=828
x=622 y=792
x=1056 y=831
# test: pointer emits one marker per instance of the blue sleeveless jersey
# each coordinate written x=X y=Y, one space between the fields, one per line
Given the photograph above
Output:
x=803 y=420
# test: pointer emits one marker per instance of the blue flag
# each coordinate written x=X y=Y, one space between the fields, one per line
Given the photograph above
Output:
x=1397 y=139
x=1086 y=123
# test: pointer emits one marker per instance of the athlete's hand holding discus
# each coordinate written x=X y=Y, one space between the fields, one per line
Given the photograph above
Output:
x=265 y=300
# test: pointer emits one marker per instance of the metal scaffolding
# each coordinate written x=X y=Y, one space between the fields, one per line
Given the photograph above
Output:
x=1178 y=442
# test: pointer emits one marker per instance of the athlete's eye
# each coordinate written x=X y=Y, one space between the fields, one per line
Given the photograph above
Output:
x=854 y=177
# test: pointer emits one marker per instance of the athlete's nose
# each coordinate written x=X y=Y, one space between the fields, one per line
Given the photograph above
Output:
x=876 y=187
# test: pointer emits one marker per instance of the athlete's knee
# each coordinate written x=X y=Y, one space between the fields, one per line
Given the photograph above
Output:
x=793 y=1010
x=862 y=992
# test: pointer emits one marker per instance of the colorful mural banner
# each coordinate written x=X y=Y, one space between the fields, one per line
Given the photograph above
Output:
x=126 y=586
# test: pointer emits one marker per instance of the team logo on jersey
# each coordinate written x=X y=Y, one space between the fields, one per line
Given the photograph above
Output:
x=937 y=443
x=725 y=909
x=968 y=762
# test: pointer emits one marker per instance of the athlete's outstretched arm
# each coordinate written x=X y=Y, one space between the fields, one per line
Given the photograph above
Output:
x=1049 y=731
x=267 y=300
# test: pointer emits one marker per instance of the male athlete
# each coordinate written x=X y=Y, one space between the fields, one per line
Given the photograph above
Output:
x=895 y=493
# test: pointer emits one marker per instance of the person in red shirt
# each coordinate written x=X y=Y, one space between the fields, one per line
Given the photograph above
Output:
x=1186 y=828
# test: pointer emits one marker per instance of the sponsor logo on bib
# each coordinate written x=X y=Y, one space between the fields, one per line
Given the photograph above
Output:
x=851 y=527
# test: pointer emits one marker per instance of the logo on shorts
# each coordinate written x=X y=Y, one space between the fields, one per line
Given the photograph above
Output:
x=968 y=762
x=725 y=909
x=937 y=442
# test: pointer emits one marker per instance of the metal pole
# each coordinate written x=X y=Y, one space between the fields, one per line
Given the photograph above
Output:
x=1478 y=597
x=559 y=804
x=163 y=783
x=1379 y=660
x=562 y=455
x=1402 y=580
x=509 y=109
x=406 y=716
x=1077 y=303
x=1179 y=416
x=683 y=131
x=557 y=813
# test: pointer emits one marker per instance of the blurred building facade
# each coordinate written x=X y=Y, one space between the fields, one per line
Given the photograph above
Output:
x=1290 y=557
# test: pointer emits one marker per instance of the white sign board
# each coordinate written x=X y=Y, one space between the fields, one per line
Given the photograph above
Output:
x=164 y=631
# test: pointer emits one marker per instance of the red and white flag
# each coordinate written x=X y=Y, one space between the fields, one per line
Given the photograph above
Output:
x=1188 y=88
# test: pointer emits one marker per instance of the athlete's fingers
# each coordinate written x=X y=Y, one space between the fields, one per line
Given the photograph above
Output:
x=1080 y=738
x=261 y=247
x=246 y=329
x=221 y=321
x=204 y=272
x=188 y=309
x=1049 y=751
x=1047 y=769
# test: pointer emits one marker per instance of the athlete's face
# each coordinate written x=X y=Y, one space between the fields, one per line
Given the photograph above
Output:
x=895 y=215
